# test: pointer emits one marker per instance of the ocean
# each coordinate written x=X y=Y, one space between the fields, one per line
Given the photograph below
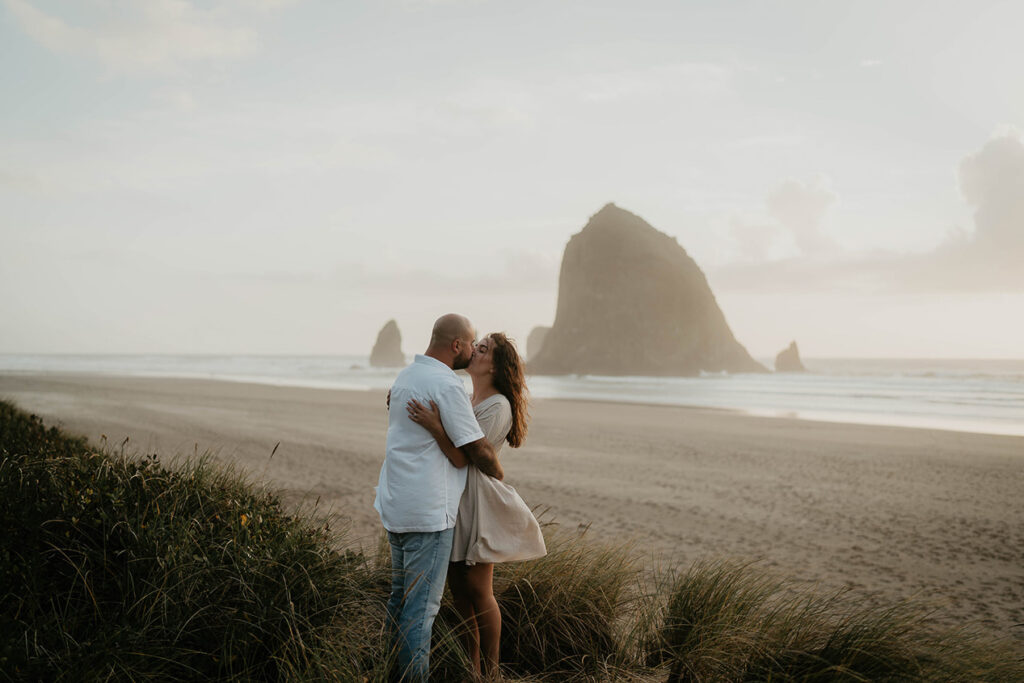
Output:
x=980 y=395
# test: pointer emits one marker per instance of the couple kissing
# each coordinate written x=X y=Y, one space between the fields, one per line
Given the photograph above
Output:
x=441 y=495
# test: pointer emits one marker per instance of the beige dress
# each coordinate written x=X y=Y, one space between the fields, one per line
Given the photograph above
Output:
x=494 y=524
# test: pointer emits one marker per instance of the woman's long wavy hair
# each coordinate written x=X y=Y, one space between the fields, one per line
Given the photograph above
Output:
x=510 y=380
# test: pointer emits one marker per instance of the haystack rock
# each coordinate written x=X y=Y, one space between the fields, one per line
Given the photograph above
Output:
x=632 y=302
x=788 y=360
x=387 y=352
x=536 y=340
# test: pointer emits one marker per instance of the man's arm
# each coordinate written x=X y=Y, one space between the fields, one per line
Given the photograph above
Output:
x=455 y=455
x=481 y=454
x=431 y=421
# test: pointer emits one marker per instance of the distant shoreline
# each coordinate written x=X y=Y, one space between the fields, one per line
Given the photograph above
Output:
x=928 y=423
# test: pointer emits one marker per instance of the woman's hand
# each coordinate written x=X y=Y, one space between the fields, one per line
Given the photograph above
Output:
x=428 y=418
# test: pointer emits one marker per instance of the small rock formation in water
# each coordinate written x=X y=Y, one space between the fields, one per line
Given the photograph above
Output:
x=535 y=340
x=631 y=301
x=788 y=360
x=387 y=352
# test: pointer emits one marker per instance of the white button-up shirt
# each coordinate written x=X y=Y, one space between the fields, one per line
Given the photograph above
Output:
x=419 y=489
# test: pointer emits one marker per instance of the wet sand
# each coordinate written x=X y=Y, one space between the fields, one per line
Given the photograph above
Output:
x=889 y=512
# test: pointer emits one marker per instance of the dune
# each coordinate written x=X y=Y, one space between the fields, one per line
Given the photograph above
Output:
x=888 y=512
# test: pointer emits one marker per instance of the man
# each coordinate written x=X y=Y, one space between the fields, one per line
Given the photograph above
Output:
x=419 y=489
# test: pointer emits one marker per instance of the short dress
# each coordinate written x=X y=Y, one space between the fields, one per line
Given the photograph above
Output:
x=494 y=524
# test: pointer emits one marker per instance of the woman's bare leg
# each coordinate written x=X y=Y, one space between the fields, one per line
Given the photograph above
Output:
x=479 y=583
x=461 y=596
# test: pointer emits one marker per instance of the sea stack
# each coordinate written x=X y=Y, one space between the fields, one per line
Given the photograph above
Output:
x=387 y=352
x=535 y=340
x=631 y=301
x=788 y=360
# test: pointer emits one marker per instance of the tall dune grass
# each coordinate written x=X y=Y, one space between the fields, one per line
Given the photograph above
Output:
x=563 y=612
x=727 y=621
x=125 y=568
x=128 y=569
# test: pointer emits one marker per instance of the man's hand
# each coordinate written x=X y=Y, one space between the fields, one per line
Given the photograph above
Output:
x=481 y=454
x=429 y=419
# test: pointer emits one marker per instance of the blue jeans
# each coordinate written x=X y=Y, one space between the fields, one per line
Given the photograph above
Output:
x=419 y=565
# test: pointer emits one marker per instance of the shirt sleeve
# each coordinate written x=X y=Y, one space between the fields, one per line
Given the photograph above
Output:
x=457 y=416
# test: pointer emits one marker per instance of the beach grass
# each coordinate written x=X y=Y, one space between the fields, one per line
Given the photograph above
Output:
x=731 y=621
x=125 y=567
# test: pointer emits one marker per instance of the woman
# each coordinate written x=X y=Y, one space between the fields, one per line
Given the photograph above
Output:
x=493 y=524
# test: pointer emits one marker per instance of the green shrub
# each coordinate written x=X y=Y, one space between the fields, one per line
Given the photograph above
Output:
x=725 y=621
x=710 y=621
x=127 y=568
x=563 y=613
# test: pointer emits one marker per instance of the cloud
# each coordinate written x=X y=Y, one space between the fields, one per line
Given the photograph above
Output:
x=989 y=258
x=504 y=270
x=801 y=208
x=992 y=182
x=178 y=99
x=794 y=211
x=19 y=180
x=754 y=237
x=484 y=108
x=140 y=37
x=499 y=271
x=767 y=141
x=264 y=5
x=992 y=257
x=702 y=80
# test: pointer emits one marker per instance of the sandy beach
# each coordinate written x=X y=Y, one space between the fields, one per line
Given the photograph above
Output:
x=888 y=512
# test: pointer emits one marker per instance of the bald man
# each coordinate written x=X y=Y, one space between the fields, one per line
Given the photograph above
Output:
x=419 y=488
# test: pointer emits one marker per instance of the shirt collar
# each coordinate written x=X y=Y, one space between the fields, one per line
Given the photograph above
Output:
x=420 y=358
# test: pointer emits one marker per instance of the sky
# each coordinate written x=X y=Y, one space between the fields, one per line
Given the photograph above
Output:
x=284 y=176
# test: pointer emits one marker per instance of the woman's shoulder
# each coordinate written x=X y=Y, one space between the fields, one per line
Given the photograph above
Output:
x=495 y=417
x=491 y=404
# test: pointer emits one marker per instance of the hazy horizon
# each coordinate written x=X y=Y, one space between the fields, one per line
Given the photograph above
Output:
x=281 y=177
x=410 y=352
